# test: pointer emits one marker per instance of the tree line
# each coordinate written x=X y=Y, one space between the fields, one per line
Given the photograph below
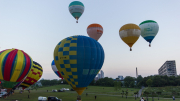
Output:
x=129 y=82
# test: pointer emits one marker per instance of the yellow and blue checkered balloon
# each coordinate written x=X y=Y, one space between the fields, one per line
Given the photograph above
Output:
x=79 y=59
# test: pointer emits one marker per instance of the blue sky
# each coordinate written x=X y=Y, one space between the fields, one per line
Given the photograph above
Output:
x=36 y=26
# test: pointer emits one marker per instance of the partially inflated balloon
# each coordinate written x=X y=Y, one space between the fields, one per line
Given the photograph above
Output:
x=76 y=9
x=149 y=30
x=14 y=67
x=54 y=68
x=95 y=31
x=129 y=33
x=79 y=59
x=33 y=76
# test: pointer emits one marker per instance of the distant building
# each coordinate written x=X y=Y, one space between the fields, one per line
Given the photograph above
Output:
x=99 y=76
x=168 y=68
x=120 y=77
x=102 y=74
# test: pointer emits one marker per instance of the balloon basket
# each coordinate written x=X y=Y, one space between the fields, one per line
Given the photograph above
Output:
x=130 y=49
x=78 y=98
x=149 y=45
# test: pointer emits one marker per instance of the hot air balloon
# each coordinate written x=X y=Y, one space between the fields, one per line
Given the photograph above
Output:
x=149 y=30
x=79 y=59
x=95 y=31
x=129 y=33
x=76 y=9
x=56 y=70
x=14 y=66
x=33 y=76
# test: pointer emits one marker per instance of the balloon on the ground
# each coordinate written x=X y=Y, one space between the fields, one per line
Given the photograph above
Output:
x=130 y=33
x=54 y=68
x=149 y=30
x=33 y=76
x=95 y=31
x=79 y=59
x=14 y=66
x=76 y=8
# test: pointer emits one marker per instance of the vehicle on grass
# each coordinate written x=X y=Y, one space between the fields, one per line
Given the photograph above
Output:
x=61 y=90
x=2 y=94
x=72 y=89
x=40 y=98
x=65 y=88
x=52 y=98
x=54 y=90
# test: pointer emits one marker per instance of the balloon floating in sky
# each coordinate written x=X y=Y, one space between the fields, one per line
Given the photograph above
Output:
x=149 y=30
x=33 y=76
x=14 y=67
x=130 y=33
x=54 y=68
x=76 y=8
x=95 y=31
x=79 y=59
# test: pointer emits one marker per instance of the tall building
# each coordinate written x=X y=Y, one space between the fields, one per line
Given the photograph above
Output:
x=136 y=72
x=120 y=77
x=102 y=74
x=99 y=76
x=168 y=68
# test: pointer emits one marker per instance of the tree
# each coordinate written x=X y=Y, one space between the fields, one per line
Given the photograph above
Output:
x=149 y=82
x=132 y=84
x=126 y=94
x=139 y=79
x=159 y=93
x=117 y=85
x=135 y=94
x=122 y=93
x=128 y=80
x=146 y=93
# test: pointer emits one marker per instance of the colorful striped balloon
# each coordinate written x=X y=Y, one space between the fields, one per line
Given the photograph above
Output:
x=54 y=68
x=76 y=8
x=33 y=76
x=14 y=66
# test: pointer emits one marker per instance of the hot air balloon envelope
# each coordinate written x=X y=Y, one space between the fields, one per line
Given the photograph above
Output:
x=79 y=59
x=129 y=33
x=149 y=30
x=14 y=66
x=76 y=9
x=54 y=68
x=95 y=31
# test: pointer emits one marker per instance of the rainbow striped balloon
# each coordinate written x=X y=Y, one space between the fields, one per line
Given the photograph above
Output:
x=14 y=66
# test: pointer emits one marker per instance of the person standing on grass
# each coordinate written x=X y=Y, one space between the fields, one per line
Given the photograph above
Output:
x=95 y=97
x=173 y=98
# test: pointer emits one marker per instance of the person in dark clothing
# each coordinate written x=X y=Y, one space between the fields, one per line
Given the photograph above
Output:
x=86 y=94
x=95 y=97
x=47 y=90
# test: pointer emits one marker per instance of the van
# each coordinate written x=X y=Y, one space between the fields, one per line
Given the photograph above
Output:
x=40 y=98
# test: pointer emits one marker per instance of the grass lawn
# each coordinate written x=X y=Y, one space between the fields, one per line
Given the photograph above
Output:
x=106 y=94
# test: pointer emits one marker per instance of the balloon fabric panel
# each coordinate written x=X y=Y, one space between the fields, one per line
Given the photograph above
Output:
x=79 y=59
x=33 y=76
x=54 y=68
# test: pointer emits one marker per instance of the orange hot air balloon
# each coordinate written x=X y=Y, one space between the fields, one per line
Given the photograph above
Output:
x=95 y=31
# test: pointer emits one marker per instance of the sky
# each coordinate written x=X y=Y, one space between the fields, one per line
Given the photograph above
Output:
x=36 y=27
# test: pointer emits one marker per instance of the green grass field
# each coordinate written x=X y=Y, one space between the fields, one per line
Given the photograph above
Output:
x=106 y=94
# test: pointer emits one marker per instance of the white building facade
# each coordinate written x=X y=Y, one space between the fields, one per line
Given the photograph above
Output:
x=168 y=68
